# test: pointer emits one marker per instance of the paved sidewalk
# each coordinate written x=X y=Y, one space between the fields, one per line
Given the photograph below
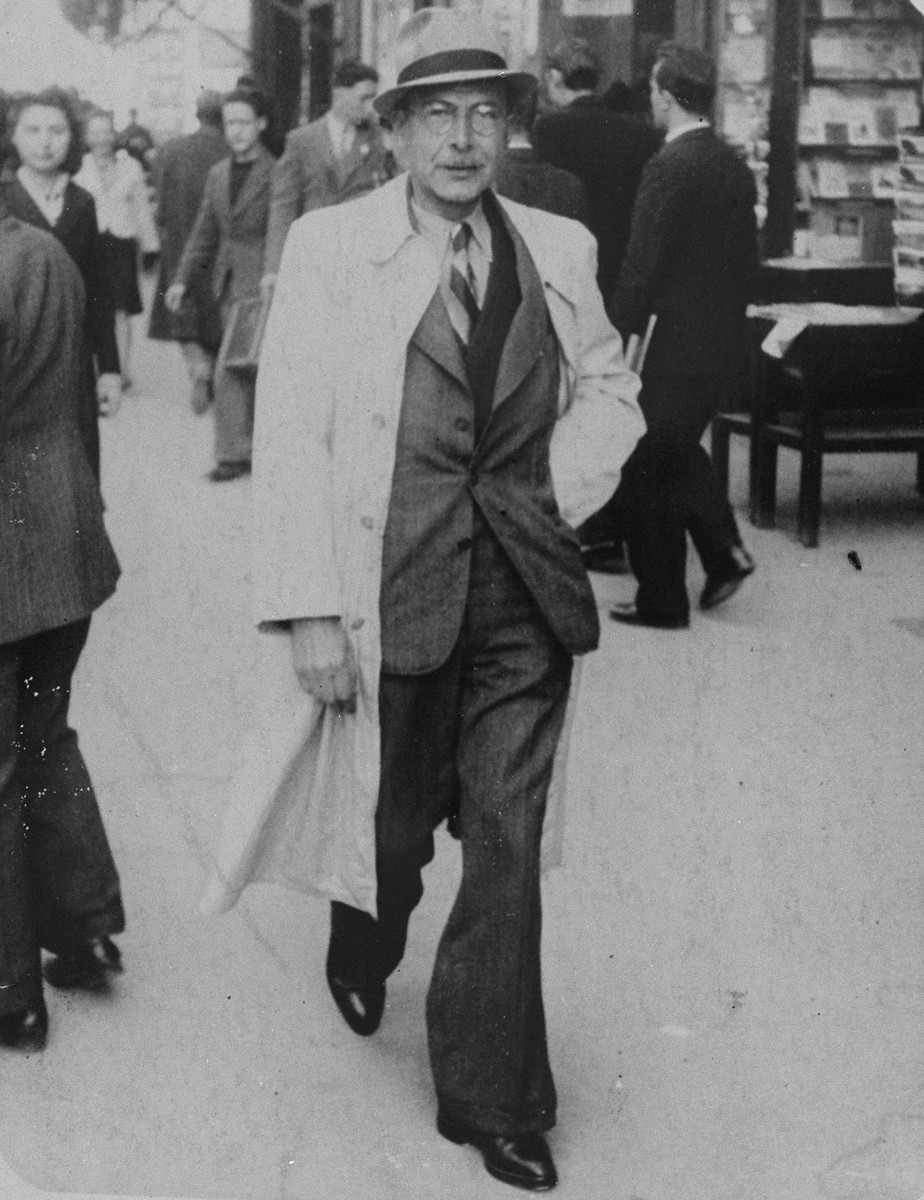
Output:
x=733 y=966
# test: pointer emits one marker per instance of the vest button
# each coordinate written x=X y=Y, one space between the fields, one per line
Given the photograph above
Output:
x=464 y=543
x=366 y=522
x=463 y=424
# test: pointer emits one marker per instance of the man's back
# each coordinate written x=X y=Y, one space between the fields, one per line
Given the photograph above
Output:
x=182 y=167
x=607 y=151
x=528 y=180
x=692 y=257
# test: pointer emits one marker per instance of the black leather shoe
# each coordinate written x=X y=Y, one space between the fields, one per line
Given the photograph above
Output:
x=361 y=1008
x=26 y=1029
x=524 y=1161
x=722 y=583
x=226 y=471
x=628 y=614
x=86 y=967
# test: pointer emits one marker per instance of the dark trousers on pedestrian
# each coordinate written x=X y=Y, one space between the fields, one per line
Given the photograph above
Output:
x=58 y=882
x=233 y=392
x=668 y=489
x=477 y=735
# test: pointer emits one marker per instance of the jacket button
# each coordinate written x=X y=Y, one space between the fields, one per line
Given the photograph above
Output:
x=464 y=543
x=378 y=421
x=366 y=522
x=463 y=424
x=357 y=623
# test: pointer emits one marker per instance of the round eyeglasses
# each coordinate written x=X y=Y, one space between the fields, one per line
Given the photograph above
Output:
x=484 y=119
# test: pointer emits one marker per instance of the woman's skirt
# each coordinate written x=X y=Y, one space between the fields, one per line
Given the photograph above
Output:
x=120 y=262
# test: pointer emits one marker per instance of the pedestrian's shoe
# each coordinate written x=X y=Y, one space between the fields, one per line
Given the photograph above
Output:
x=361 y=1008
x=628 y=614
x=226 y=471
x=201 y=395
x=724 y=581
x=86 y=966
x=606 y=558
x=524 y=1161
x=26 y=1029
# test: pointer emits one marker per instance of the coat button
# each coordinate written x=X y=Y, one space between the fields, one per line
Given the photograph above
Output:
x=463 y=424
x=378 y=421
x=357 y=623
x=366 y=522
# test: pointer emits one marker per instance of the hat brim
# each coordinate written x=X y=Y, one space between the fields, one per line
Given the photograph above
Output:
x=521 y=82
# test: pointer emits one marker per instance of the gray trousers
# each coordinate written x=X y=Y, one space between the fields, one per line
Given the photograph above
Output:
x=233 y=404
x=477 y=736
x=58 y=882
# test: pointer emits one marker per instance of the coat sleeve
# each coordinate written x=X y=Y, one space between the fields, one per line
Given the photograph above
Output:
x=285 y=204
x=656 y=217
x=295 y=568
x=602 y=422
x=201 y=247
x=100 y=301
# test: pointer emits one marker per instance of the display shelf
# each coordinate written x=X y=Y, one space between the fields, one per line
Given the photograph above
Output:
x=851 y=150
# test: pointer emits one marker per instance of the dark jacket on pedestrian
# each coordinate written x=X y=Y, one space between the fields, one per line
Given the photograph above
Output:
x=525 y=178
x=227 y=241
x=607 y=151
x=56 y=562
x=692 y=258
x=77 y=231
x=309 y=175
x=180 y=173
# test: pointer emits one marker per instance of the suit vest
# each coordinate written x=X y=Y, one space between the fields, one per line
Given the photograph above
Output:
x=444 y=472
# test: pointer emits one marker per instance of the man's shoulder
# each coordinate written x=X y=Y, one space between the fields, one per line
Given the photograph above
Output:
x=27 y=251
x=306 y=136
x=356 y=225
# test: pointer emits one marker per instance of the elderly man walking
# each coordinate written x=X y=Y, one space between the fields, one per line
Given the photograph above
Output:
x=440 y=400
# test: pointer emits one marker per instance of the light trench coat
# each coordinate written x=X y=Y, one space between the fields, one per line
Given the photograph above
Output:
x=354 y=282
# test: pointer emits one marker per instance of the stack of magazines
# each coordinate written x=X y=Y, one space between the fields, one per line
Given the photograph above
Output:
x=908 y=252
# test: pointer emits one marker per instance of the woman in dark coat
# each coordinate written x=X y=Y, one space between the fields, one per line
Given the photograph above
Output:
x=45 y=137
x=59 y=889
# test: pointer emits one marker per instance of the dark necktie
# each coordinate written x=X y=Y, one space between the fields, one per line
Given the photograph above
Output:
x=462 y=284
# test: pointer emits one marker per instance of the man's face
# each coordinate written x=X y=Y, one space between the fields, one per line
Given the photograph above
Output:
x=354 y=104
x=242 y=128
x=660 y=100
x=452 y=140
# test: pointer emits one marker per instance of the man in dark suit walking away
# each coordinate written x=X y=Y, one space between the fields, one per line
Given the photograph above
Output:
x=336 y=158
x=691 y=263
x=180 y=172
x=605 y=149
x=227 y=245
x=526 y=178
x=59 y=889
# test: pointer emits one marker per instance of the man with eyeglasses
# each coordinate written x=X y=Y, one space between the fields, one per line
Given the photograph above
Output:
x=441 y=399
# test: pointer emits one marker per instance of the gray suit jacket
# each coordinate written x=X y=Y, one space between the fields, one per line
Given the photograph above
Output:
x=56 y=562
x=230 y=241
x=309 y=175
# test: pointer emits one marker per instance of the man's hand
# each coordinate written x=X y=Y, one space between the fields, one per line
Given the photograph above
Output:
x=173 y=297
x=324 y=663
x=109 y=394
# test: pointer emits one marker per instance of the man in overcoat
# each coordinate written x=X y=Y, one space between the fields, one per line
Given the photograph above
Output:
x=336 y=158
x=58 y=884
x=226 y=246
x=440 y=398
x=692 y=263
x=180 y=172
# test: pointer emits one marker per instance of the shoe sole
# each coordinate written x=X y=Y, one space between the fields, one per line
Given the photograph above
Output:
x=725 y=591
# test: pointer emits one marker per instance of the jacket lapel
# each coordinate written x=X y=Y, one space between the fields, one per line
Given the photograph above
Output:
x=436 y=337
x=527 y=330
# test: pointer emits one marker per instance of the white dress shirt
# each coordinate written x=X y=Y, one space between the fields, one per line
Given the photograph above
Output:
x=120 y=192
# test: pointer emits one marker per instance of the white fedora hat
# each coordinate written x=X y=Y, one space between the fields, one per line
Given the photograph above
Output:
x=445 y=46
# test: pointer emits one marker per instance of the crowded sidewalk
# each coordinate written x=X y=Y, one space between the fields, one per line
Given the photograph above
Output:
x=733 y=975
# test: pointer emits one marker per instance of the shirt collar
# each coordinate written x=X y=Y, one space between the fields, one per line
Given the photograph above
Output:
x=691 y=126
x=438 y=230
